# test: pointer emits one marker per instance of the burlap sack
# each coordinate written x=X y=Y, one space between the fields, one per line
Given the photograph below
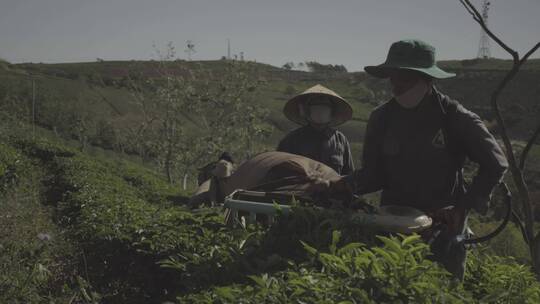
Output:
x=265 y=169
x=272 y=166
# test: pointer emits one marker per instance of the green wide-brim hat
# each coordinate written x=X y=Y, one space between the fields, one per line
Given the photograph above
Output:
x=414 y=55
x=342 y=110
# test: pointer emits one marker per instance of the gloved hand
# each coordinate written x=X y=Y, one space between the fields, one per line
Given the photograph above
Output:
x=318 y=185
x=340 y=189
x=335 y=189
x=453 y=217
x=478 y=203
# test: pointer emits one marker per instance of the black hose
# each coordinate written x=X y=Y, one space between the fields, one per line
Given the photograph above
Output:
x=519 y=222
x=509 y=212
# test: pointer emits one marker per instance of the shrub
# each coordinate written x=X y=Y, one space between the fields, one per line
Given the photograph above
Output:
x=508 y=243
x=139 y=248
x=395 y=273
x=105 y=209
x=10 y=164
x=500 y=280
x=37 y=264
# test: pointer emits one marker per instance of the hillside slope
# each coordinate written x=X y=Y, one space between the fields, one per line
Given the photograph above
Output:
x=98 y=95
x=476 y=79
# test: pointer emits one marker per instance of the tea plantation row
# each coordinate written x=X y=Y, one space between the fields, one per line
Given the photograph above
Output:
x=138 y=246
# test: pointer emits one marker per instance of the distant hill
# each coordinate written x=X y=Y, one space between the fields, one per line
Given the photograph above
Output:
x=98 y=87
x=96 y=226
x=4 y=64
x=488 y=64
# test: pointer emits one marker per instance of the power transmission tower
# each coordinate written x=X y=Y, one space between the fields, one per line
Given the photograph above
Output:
x=483 y=47
x=190 y=49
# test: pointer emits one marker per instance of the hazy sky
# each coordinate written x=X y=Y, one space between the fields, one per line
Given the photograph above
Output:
x=350 y=32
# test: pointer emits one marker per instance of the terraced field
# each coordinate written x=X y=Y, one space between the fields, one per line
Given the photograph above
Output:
x=101 y=226
x=90 y=230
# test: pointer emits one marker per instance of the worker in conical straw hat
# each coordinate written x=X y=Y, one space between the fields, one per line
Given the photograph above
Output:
x=319 y=110
x=415 y=147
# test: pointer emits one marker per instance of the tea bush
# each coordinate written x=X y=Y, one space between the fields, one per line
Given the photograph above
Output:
x=509 y=243
x=397 y=272
x=259 y=249
x=148 y=185
x=106 y=209
x=11 y=164
x=37 y=264
x=136 y=246
x=501 y=280
x=314 y=226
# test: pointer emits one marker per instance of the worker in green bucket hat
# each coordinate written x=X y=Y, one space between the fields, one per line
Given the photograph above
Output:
x=415 y=147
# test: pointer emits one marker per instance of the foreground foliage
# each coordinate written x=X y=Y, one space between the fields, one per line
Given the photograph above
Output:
x=37 y=263
x=397 y=272
x=132 y=242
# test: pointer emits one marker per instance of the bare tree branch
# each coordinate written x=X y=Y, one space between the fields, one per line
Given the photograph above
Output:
x=528 y=147
x=529 y=53
x=478 y=18
x=517 y=174
x=517 y=171
x=500 y=120
x=472 y=10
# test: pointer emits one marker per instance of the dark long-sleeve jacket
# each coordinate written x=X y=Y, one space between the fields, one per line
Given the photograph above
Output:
x=328 y=146
x=415 y=156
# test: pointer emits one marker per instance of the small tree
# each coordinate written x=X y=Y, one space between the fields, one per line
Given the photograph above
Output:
x=328 y=69
x=189 y=115
x=288 y=66
x=516 y=168
x=227 y=113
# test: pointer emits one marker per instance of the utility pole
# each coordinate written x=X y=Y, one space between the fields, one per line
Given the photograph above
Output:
x=229 y=49
x=483 y=47
x=190 y=49
x=33 y=107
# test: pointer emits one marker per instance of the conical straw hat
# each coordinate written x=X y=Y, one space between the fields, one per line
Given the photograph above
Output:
x=342 y=111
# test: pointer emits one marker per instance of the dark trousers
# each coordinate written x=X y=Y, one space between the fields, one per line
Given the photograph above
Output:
x=450 y=253
x=451 y=256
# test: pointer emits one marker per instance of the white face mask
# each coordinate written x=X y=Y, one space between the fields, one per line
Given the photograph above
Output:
x=412 y=97
x=320 y=114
